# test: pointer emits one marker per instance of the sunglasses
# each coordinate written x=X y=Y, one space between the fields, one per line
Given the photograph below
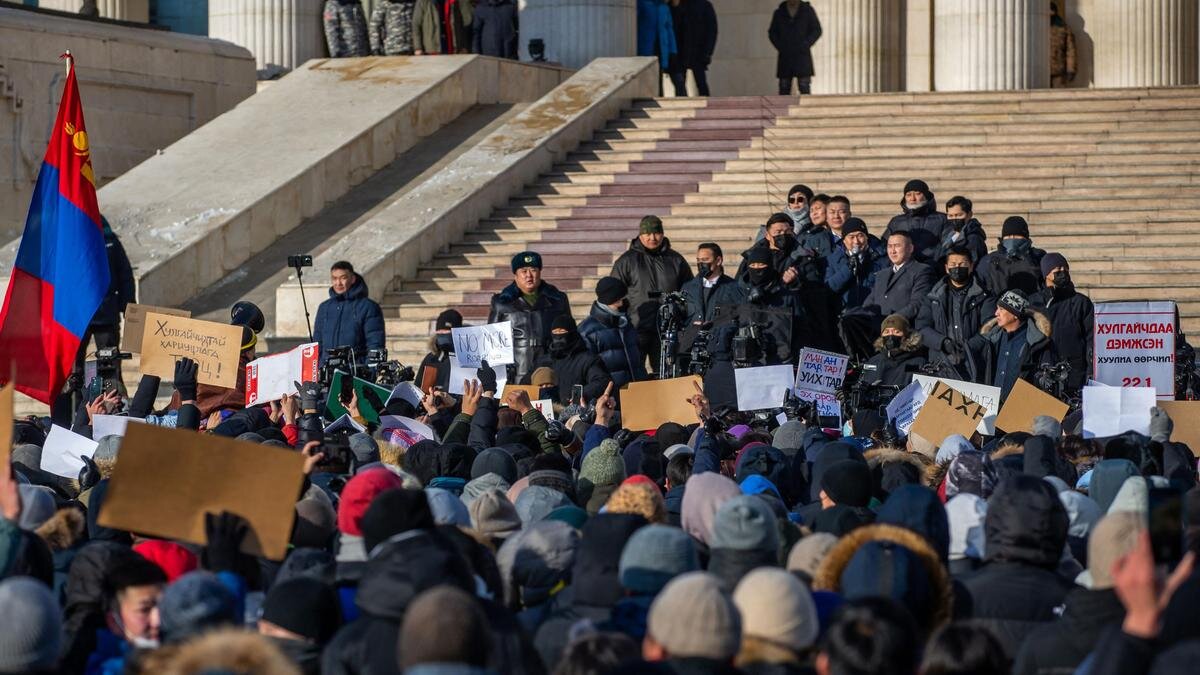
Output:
x=796 y=200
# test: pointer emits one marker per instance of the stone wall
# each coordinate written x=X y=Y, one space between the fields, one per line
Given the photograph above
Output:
x=142 y=90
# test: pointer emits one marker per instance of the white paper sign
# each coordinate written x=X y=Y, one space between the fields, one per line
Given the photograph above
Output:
x=112 y=425
x=459 y=373
x=272 y=377
x=544 y=406
x=492 y=343
x=1108 y=411
x=62 y=452
x=762 y=387
x=408 y=424
x=1134 y=345
x=905 y=405
x=985 y=395
x=345 y=422
x=406 y=391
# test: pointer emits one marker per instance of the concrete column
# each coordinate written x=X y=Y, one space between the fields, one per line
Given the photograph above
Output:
x=984 y=45
x=125 y=10
x=577 y=31
x=282 y=34
x=1143 y=43
x=860 y=50
x=918 y=45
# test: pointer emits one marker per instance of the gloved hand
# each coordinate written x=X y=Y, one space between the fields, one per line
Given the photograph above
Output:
x=185 y=379
x=89 y=475
x=1160 y=425
x=225 y=532
x=310 y=395
x=487 y=377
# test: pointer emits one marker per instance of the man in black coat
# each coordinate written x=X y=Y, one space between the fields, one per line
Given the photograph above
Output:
x=920 y=218
x=964 y=232
x=900 y=288
x=1071 y=316
x=572 y=363
x=695 y=37
x=609 y=335
x=793 y=32
x=1018 y=591
x=106 y=322
x=650 y=269
x=441 y=351
x=531 y=305
x=899 y=354
x=349 y=318
x=711 y=287
x=1016 y=264
x=1013 y=345
x=494 y=29
x=953 y=312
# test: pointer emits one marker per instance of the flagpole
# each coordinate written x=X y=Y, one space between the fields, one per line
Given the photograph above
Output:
x=68 y=60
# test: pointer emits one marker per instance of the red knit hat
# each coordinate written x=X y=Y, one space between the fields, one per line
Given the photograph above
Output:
x=174 y=559
x=357 y=496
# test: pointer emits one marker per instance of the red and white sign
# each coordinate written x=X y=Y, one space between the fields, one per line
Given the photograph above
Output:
x=272 y=377
x=1134 y=345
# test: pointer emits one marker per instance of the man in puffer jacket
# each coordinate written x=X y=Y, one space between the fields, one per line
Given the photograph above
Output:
x=927 y=227
x=1017 y=589
x=609 y=334
x=349 y=318
x=405 y=28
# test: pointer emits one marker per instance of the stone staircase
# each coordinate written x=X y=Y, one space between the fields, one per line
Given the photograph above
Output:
x=1110 y=178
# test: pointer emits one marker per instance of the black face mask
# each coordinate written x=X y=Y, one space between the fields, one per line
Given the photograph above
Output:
x=957 y=223
x=560 y=345
x=959 y=275
x=891 y=343
x=761 y=277
x=704 y=269
x=444 y=342
x=1062 y=282
x=624 y=306
x=783 y=241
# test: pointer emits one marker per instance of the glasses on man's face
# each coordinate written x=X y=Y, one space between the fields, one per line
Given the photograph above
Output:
x=798 y=199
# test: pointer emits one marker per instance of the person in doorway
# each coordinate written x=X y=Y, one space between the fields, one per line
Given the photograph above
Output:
x=793 y=32
x=695 y=38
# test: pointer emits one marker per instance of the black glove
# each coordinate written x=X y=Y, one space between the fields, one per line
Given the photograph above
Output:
x=185 y=379
x=142 y=403
x=486 y=377
x=225 y=532
x=89 y=475
x=310 y=395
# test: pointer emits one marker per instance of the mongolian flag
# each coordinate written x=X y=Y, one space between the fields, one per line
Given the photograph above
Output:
x=61 y=271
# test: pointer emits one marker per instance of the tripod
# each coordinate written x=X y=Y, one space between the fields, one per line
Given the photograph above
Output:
x=303 y=298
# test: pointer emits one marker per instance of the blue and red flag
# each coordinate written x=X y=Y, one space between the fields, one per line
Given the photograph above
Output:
x=61 y=271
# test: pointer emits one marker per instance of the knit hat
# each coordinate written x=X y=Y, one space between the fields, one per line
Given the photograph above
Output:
x=808 y=553
x=678 y=449
x=603 y=465
x=195 y=603
x=564 y=322
x=1014 y=225
x=447 y=508
x=789 y=437
x=692 y=617
x=745 y=523
x=848 y=483
x=554 y=479
x=492 y=514
x=1015 y=302
x=777 y=608
x=304 y=606
x=364 y=448
x=497 y=461
x=705 y=494
x=37 y=506
x=1113 y=537
x=640 y=499
x=916 y=185
x=448 y=319
x=780 y=218
x=316 y=522
x=896 y=321
x=174 y=560
x=654 y=555
x=1051 y=261
x=394 y=512
x=570 y=514
x=526 y=259
x=610 y=289
x=32 y=634
x=543 y=377
x=536 y=502
x=853 y=224
x=758 y=254
x=357 y=495
x=650 y=225
x=477 y=486
x=1045 y=425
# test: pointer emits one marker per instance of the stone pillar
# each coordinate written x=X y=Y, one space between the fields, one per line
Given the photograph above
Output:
x=860 y=50
x=1142 y=43
x=125 y=10
x=577 y=31
x=282 y=34
x=986 y=45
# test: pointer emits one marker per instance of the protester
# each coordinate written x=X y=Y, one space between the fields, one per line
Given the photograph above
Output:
x=405 y=27
x=573 y=363
x=494 y=29
x=965 y=232
x=793 y=32
x=854 y=264
x=952 y=313
x=711 y=288
x=1071 y=318
x=349 y=318
x=609 y=334
x=435 y=367
x=346 y=29
x=901 y=288
x=1012 y=345
x=900 y=354
x=695 y=23
x=531 y=304
x=837 y=212
x=816 y=209
x=1016 y=264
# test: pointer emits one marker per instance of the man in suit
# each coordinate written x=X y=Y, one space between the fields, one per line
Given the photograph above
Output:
x=900 y=288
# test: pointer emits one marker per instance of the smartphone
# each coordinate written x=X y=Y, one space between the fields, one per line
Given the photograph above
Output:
x=1166 y=525
x=94 y=388
x=577 y=394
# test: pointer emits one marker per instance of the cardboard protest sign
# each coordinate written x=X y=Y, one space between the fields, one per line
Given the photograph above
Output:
x=1134 y=345
x=272 y=377
x=135 y=322
x=492 y=343
x=531 y=391
x=459 y=374
x=1185 y=415
x=947 y=412
x=213 y=346
x=762 y=387
x=6 y=425
x=646 y=405
x=1108 y=411
x=159 y=487
x=904 y=406
x=63 y=452
x=986 y=395
x=361 y=386
x=112 y=425
x=1026 y=402
x=821 y=371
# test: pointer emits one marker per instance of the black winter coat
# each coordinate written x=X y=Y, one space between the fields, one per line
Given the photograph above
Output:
x=530 y=325
x=1059 y=648
x=495 y=29
x=984 y=349
x=649 y=275
x=938 y=322
x=1073 y=322
x=121 y=290
x=695 y=34
x=350 y=319
x=579 y=367
x=794 y=37
x=1000 y=272
x=897 y=368
x=703 y=302
x=927 y=226
x=612 y=338
x=973 y=238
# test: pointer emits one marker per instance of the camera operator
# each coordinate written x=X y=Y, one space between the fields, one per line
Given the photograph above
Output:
x=349 y=318
x=572 y=363
x=900 y=354
x=953 y=312
x=435 y=367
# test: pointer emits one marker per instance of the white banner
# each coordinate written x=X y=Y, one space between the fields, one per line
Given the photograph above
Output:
x=763 y=387
x=112 y=425
x=459 y=373
x=905 y=405
x=272 y=377
x=492 y=343
x=985 y=395
x=1134 y=345
x=1109 y=411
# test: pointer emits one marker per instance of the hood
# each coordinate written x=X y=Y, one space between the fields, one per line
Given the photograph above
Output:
x=404 y=566
x=480 y=485
x=705 y=493
x=828 y=455
x=1107 y=478
x=595 y=574
x=605 y=316
x=971 y=472
x=1039 y=328
x=636 y=245
x=954 y=445
x=768 y=462
x=1082 y=513
x=892 y=468
x=1043 y=459
x=918 y=509
x=62 y=530
x=535 y=560
x=356 y=291
x=965 y=514
x=909 y=345
x=1026 y=523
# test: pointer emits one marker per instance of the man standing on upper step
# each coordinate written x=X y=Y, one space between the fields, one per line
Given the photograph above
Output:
x=650 y=270
x=349 y=318
x=794 y=30
x=1071 y=318
x=531 y=305
x=920 y=218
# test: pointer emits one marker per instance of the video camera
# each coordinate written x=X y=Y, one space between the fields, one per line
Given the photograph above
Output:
x=375 y=368
x=672 y=317
x=749 y=343
x=108 y=373
x=699 y=356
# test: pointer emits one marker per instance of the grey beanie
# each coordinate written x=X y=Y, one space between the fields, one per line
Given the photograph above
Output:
x=693 y=617
x=745 y=523
x=654 y=555
x=447 y=508
x=37 y=506
x=107 y=448
x=251 y=437
x=537 y=501
x=477 y=486
x=492 y=514
x=1045 y=425
x=789 y=437
x=364 y=448
x=806 y=555
x=497 y=461
x=32 y=634
x=196 y=602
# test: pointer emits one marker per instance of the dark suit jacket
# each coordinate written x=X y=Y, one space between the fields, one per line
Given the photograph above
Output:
x=901 y=292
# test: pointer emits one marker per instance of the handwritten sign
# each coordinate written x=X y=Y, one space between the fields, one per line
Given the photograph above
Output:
x=271 y=377
x=492 y=343
x=213 y=346
x=983 y=394
x=821 y=371
x=1134 y=345
x=903 y=408
x=135 y=322
x=947 y=411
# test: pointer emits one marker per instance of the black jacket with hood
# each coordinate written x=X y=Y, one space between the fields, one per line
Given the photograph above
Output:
x=612 y=337
x=938 y=322
x=578 y=366
x=1073 y=322
x=793 y=37
x=927 y=226
x=695 y=24
x=1059 y=648
x=649 y=275
x=530 y=324
x=898 y=366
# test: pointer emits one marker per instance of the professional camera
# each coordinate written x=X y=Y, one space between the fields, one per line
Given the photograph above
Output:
x=748 y=346
x=1187 y=380
x=699 y=357
x=300 y=261
x=1052 y=379
x=108 y=373
x=387 y=373
x=859 y=393
x=672 y=316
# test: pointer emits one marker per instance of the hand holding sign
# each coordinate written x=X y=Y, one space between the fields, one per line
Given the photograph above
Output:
x=475 y=344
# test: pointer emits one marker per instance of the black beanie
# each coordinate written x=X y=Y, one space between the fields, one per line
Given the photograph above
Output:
x=758 y=254
x=610 y=290
x=853 y=224
x=448 y=319
x=393 y=512
x=305 y=606
x=564 y=322
x=916 y=185
x=1015 y=225
x=848 y=483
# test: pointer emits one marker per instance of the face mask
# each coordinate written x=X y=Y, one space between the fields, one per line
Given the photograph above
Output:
x=560 y=346
x=136 y=640
x=782 y=241
x=761 y=277
x=891 y=342
x=958 y=223
x=1062 y=281
x=959 y=275
x=444 y=342
x=918 y=206
x=624 y=306
x=1014 y=247
x=704 y=269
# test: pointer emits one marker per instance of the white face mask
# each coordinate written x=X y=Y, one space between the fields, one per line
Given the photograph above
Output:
x=918 y=205
x=136 y=640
